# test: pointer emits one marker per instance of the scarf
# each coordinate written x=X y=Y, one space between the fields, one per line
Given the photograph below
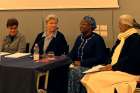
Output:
x=122 y=37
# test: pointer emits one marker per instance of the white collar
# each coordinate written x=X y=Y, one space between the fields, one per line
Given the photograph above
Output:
x=54 y=34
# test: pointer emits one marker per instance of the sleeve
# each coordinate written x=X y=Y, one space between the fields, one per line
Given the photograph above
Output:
x=100 y=54
x=22 y=44
x=73 y=52
x=65 y=47
x=3 y=44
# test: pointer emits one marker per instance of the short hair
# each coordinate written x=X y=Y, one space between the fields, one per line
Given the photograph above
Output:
x=12 y=22
x=51 y=16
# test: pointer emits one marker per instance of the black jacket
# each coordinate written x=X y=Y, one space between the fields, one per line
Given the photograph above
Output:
x=58 y=44
x=129 y=59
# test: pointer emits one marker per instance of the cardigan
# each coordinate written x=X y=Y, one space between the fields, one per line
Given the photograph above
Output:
x=58 y=44
x=89 y=51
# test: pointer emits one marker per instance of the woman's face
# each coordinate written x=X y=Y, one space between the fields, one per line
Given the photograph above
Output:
x=85 y=27
x=51 y=25
x=122 y=27
x=12 y=30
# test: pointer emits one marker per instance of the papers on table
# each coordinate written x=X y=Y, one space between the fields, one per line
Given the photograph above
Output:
x=4 y=53
x=94 y=69
x=17 y=55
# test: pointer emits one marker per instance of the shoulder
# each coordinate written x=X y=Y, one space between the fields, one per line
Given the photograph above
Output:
x=79 y=37
x=59 y=33
x=134 y=37
x=97 y=37
x=20 y=35
x=133 y=41
x=40 y=34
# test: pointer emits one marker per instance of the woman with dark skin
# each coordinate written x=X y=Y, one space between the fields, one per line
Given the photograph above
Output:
x=89 y=50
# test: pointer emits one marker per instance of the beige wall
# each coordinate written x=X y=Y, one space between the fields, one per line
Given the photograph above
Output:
x=31 y=21
x=59 y=4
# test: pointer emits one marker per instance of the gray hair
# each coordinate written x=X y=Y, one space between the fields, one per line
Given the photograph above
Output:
x=127 y=19
x=51 y=16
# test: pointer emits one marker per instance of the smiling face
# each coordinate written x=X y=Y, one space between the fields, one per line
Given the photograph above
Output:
x=12 y=26
x=51 y=25
x=85 y=27
x=12 y=30
x=123 y=27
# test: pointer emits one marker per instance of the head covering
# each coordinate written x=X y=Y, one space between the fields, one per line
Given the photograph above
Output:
x=127 y=19
x=91 y=20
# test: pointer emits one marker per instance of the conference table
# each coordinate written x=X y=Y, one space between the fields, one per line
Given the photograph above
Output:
x=20 y=75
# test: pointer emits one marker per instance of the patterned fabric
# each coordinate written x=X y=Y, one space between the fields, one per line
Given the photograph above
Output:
x=74 y=84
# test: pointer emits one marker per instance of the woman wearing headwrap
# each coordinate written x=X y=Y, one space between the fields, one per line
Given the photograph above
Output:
x=89 y=50
x=125 y=62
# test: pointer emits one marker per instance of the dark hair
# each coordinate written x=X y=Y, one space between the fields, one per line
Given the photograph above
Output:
x=12 y=22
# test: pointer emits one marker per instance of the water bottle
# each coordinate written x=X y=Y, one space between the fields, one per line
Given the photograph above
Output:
x=36 y=53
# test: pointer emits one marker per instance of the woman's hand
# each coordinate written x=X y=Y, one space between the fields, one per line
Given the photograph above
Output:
x=106 y=68
x=77 y=63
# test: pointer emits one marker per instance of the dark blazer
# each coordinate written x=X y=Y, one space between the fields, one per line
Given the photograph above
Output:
x=58 y=44
x=94 y=51
x=129 y=59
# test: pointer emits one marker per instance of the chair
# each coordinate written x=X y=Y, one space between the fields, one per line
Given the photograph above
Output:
x=108 y=52
x=46 y=79
x=67 y=50
x=27 y=47
x=138 y=87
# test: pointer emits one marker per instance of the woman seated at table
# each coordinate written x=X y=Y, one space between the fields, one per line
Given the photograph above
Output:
x=14 y=41
x=89 y=50
x=125 y=58
x=53 y=41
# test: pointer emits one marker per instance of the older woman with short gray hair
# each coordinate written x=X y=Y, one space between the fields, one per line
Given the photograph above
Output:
x=89 y=50
x=52 y=40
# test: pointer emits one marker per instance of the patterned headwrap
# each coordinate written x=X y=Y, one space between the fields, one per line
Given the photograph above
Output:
x=91 y=20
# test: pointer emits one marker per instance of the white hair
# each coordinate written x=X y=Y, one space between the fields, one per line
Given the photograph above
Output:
x=127 y=19
x=51 y=16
